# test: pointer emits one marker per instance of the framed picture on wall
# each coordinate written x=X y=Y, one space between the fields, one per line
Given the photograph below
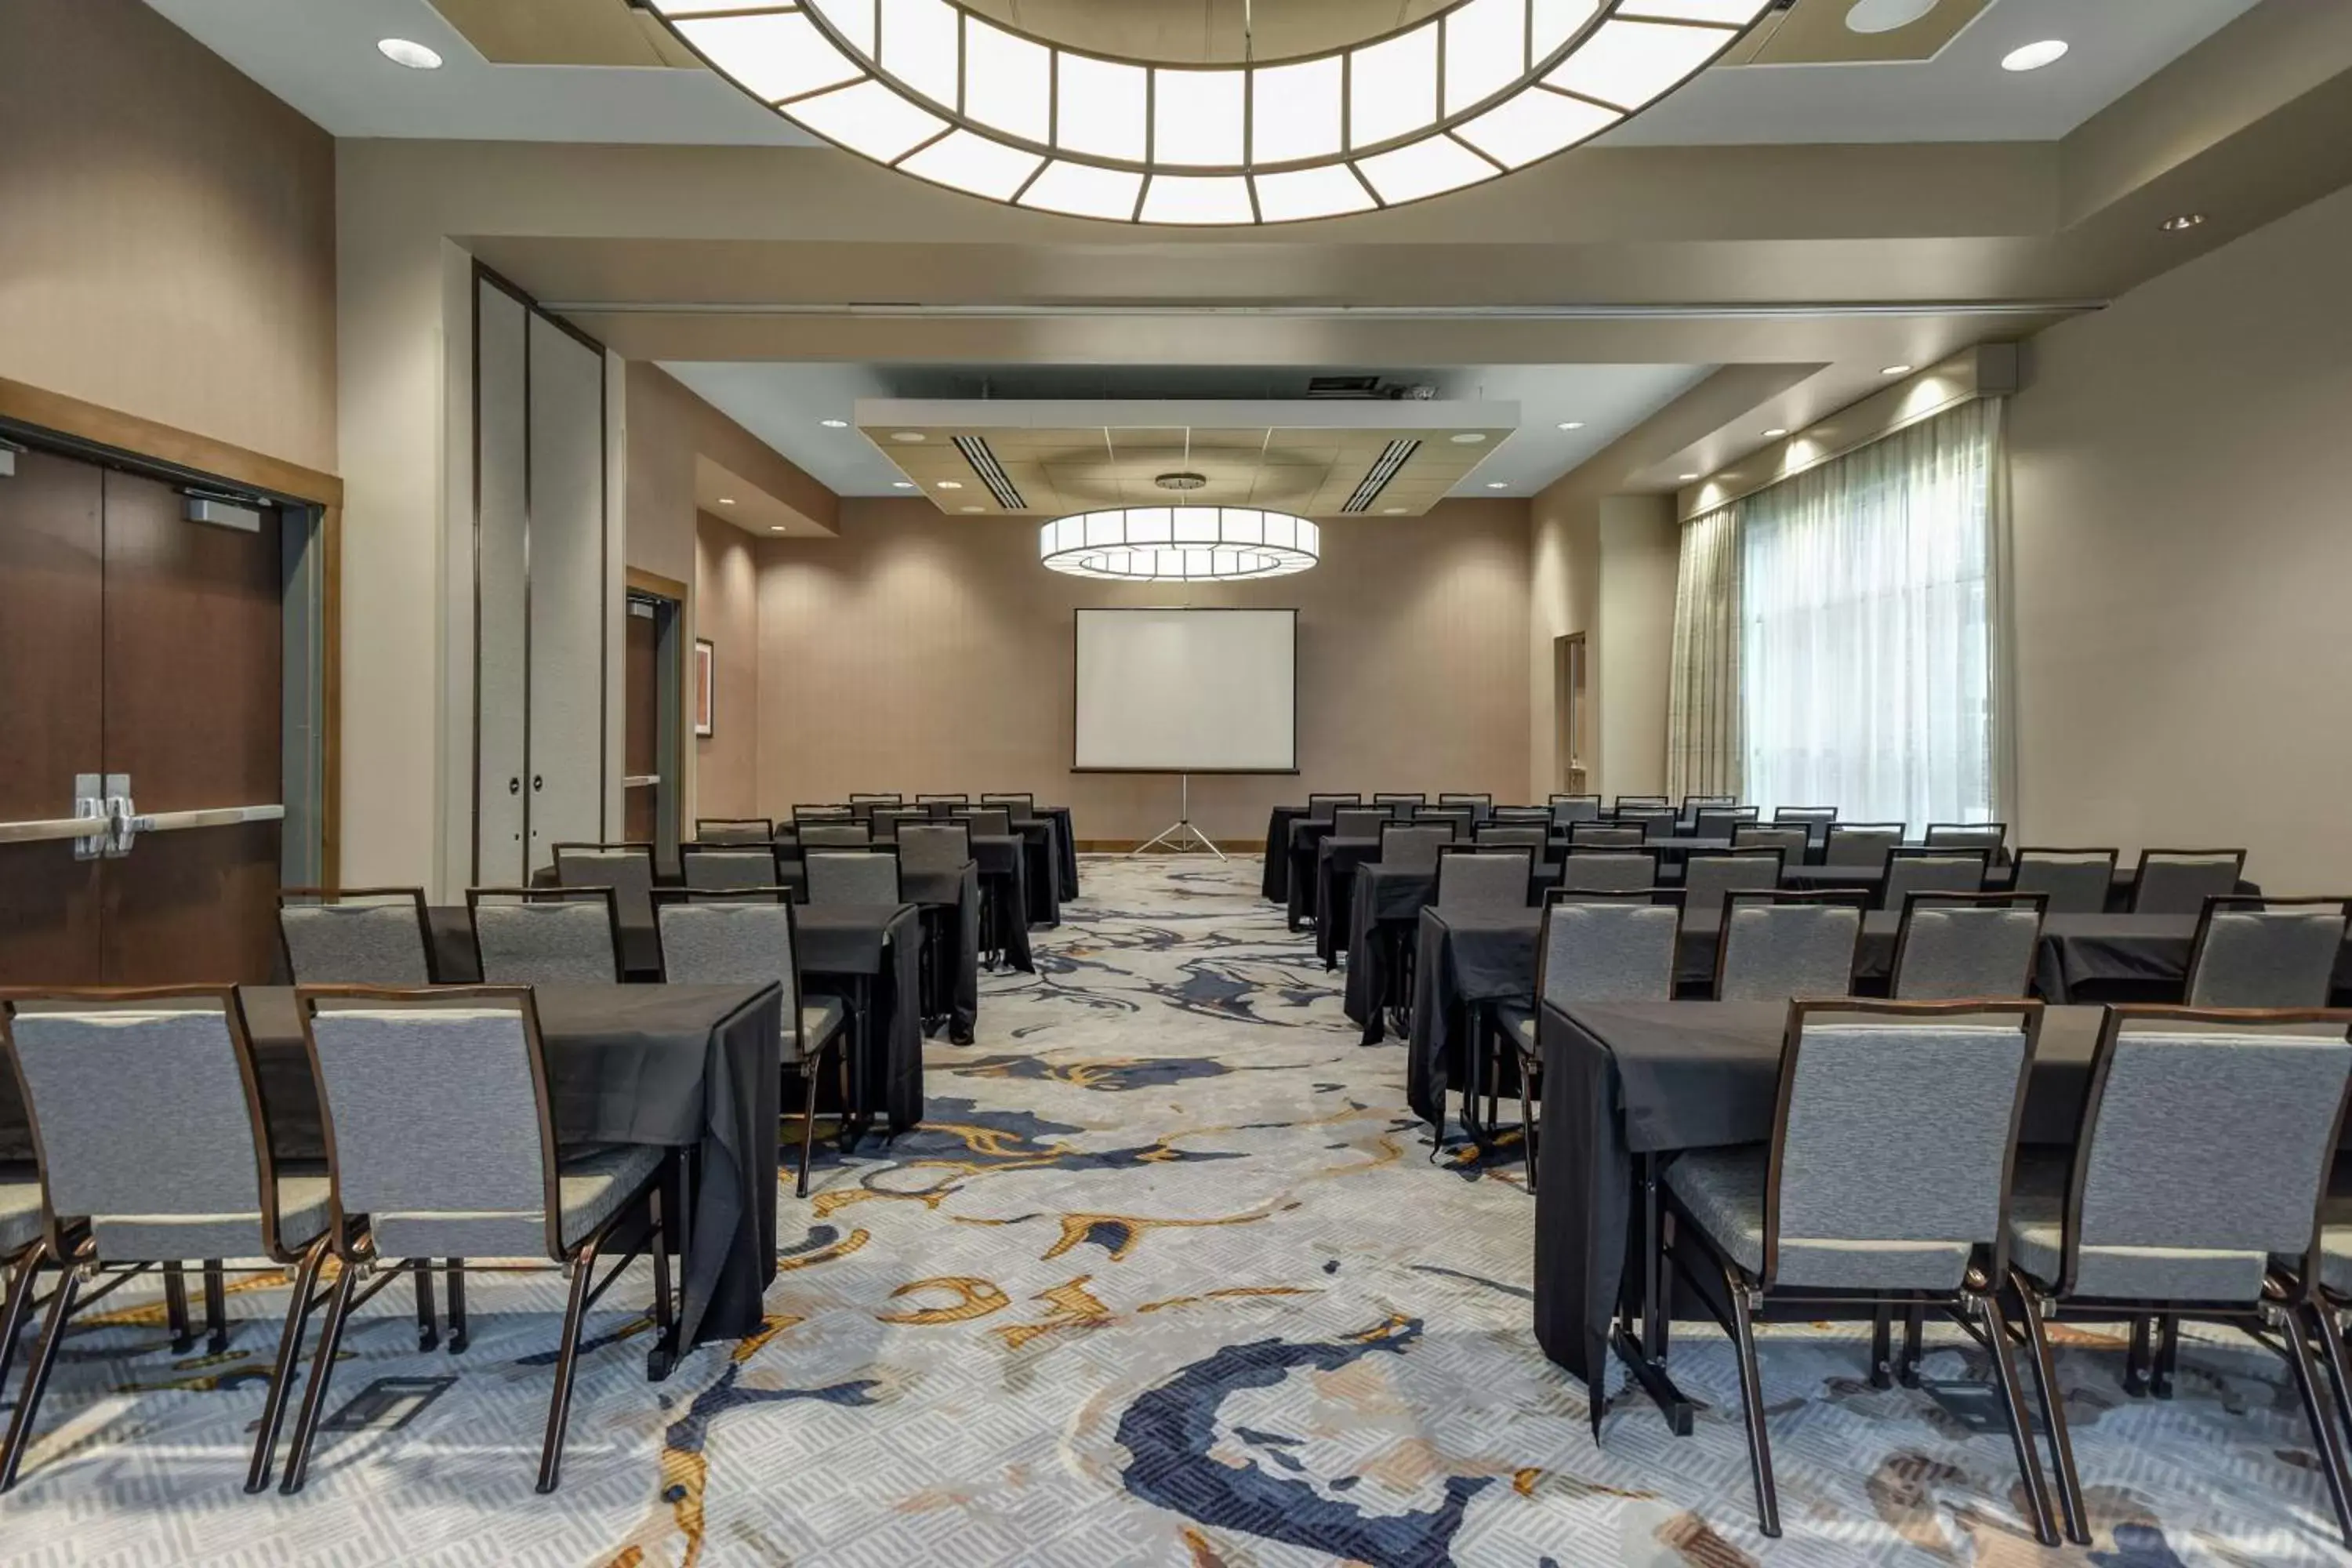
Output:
x=706 y=679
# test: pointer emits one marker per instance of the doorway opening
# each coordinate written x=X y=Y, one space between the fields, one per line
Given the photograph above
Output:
x=652 y=734
x=1569 y=715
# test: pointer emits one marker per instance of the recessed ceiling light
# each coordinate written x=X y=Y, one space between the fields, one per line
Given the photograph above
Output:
x=1776 y=432
x=725 y=500
x=1894 y=370
x=975 y=509
x=905 y=435
x=775 y=527
x=1571 y=424
x=1468 y=438
x=1498 y=484
x=405 y=52
x=902 y=484
x=2033 y=57
x=2180 y=221
x=1393 y=510
x=950 y=484
x=834 y=423
x=1689 y=478
x=1885 y=15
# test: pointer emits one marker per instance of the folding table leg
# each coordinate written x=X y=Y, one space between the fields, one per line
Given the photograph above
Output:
x=215 y=1309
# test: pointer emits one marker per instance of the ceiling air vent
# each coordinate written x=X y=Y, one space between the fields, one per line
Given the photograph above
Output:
x=1343 y=386
x=1375 y=477
x=976 y=452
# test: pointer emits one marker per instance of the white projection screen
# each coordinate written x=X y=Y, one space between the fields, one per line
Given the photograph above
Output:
x=1187 y=691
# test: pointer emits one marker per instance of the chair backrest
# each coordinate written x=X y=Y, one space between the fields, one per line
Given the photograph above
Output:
x=1893 y=1141
x=1616 y=948
x=1609 y=871
x=1463 y=817
x=1692 y=803
x=1571 y=808
x=1359 y=821
x=1514 y=835
x=852 y=876
x=1778 y=946
x=1400 y=806
x=1481 y=805
x=626 y=868
x=875 y=797
x=147 y=1120
x=435 y=1110
x=1860 y=843
x=1990 y=837
x=2204 y=1151
x=2179 y=881
x=821 y=812
x=734 y=830
x=1471 y=881
x=1791 y=839
x=2266 y=953
x=1319 y=807
x=1821 y=814
x=1706 y=877
x=715 y=869
x=718 y=943
x=1603 y=835
x=888 y=819
x=933 y=848
x=545 y=936
x=1721 y=821
x=1910 y=871
x=1414 y=846
x=837 y=835
x=955 y=799
x=2075 y=881
x=1520 y=816
x=356 y=936
x=1643 y=802
x=994 y=821
x=1016 y=803
x=1955 y=945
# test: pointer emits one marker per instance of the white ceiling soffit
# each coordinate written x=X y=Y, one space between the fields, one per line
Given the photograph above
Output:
x=731 y=498
x=321 y=57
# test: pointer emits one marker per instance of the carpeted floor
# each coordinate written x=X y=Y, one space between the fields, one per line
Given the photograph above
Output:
x=1169 y=1278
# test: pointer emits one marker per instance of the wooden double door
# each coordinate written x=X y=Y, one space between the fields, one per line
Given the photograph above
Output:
x=142 y=682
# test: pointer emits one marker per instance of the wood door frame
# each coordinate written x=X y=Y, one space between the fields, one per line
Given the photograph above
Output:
x=680 y=669
x=91 y=429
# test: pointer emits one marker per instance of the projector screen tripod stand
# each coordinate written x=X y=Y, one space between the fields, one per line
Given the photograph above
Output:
x=1179 y=837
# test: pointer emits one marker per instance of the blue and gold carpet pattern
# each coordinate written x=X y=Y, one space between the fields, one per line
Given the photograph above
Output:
x=1167 y=1277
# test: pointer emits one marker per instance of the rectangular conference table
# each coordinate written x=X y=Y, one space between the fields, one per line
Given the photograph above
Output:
x=1010 y=865
x=678 y=1067
x=1463 y=964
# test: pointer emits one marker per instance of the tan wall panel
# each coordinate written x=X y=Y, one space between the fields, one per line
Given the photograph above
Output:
x=167 y=231
x=921 y=653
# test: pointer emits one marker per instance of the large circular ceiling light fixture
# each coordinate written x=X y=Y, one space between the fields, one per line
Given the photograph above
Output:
x=1483 y=87
x=1181 y=544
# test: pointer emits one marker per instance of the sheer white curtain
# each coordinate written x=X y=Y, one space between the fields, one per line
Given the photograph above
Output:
x=1705 y=751
x=1867 y=651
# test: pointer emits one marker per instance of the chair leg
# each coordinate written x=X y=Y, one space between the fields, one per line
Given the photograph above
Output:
x=1751 y=1404
x=2168 y=1357
x=1882 y=1347
x=215 y=1309
x=665 y=1308
x=808 y=1120
x=322 y=1373
x=2135 y=1360
x=2070 y=1505
x=1915 y=1330
x=2322 y=1317
x=1526 y=1120
x=290 y=1357
x=2021 y=1424
x=559 y=1407
x=457 y=1266
x=428 y=1325
x=175 y=1309
x=2325 y=1437
x=37 y=1377
x=19 y=1306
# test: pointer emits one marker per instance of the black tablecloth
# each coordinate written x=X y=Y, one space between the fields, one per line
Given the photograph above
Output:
x=956 y=894
x=1065 y=849
x=872 y=953
x=1305 y=843
x=1041 y=839
x=1274 y=878
x=1383 y=912
x=1005 y=878
x=1661 y=1076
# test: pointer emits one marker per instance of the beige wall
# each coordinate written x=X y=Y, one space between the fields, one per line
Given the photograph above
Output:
x=2184 y=562
x=1633 y=659
x=167 y=231
x=918 y=652
x=727 y=611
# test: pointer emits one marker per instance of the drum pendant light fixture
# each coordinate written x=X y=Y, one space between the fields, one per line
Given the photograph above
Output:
x=1179 y=544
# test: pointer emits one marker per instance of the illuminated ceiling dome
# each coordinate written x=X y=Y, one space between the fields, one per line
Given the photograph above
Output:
x=1480 y=89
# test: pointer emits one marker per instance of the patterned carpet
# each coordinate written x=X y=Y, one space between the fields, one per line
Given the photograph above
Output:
x=1168 y=1278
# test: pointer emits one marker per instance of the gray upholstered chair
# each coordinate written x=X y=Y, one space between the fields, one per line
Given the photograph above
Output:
x=2266 y=953
x=828 y=812
x=714 y=868
x=1319 y=807
x=1401 y=806
x=1464 y=819
x=1607 y=871
x=626 y=868
x=1991 y=837
x=1519 y=817
x=1654 y=821
x=1588 y=833
x=1694 y=803
x=1481 y=805
x=708 y=943
x=1477 y=881
x=839 y=834
x=546 y=936
x=1811 y=816
x=933 y=848
x=1721 y=821
x=1590 y=948
x=1708 y=878
x=2075 y=881
x=1779 y=946
x=943 y=806
x=1500 y=835
x=2194 y=1191
x=995 y=820
x=1884 y=1184
x=146 y=1111
x=1860 y=843
x=1414 y=846
x=1910 y=871
x=1643 y=802
x=870 y=798
x=1950 y=946
x=888 y=819
x=1020 y=803
x=2179 y=881
x=441 y=1144
x=1359 y=821
x=1572 y=808
x=1791 y=838
x=356 y=936
x=852 y=876
x=734 y=830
